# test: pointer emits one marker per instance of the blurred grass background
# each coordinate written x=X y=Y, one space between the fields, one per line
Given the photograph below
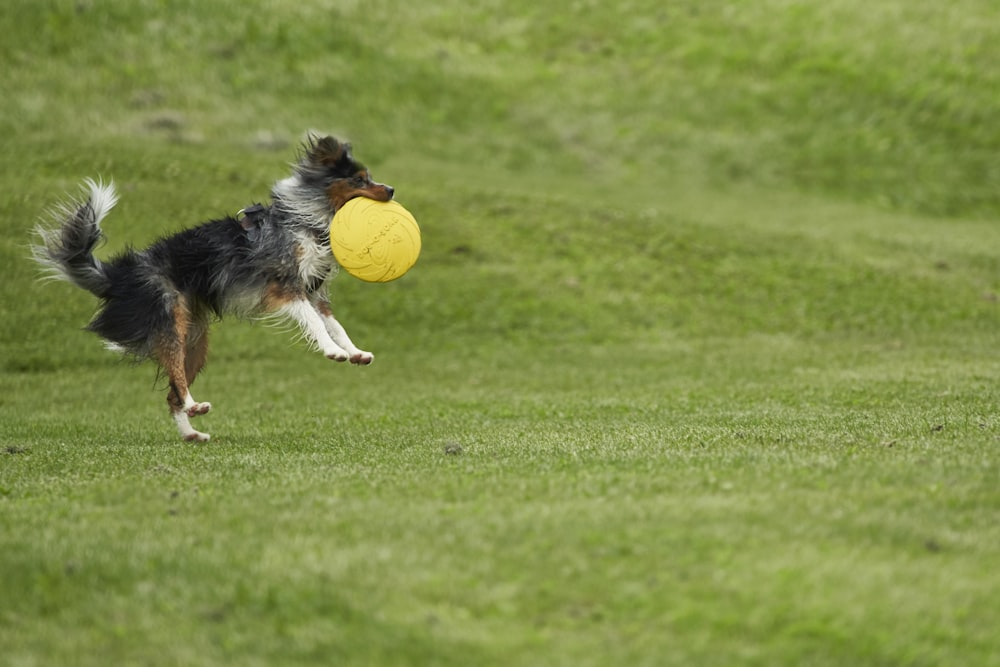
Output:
x=884 y=104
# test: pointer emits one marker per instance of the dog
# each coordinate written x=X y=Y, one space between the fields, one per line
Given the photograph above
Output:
x=274 y=260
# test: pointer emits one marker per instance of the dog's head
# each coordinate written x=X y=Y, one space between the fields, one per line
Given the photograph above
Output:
x=328 y=164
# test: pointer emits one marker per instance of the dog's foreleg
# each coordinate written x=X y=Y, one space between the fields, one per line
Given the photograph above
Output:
x=314 y=328
x=339 y=335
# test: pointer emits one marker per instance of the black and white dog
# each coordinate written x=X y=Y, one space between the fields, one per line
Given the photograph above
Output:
x=158 y=303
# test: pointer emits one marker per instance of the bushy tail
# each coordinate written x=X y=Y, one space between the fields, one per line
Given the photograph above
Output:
x=67 y=250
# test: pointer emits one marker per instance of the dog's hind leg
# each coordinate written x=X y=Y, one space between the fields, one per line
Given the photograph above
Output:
x=196 y=353
x=182 y=354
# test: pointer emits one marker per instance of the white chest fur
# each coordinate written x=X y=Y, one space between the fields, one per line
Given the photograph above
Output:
x=315 y=259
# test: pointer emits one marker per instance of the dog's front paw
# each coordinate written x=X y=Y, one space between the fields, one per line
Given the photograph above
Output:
x=362 y=358
x=337 y=354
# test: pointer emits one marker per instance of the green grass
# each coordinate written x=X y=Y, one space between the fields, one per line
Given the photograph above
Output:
x=698 y=366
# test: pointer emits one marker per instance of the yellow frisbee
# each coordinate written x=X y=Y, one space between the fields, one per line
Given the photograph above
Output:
x=374 y=241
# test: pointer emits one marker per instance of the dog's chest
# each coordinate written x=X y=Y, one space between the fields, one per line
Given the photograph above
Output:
x=314 y=260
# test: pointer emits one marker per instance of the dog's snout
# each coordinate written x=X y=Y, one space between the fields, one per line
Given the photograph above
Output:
x=390 y=190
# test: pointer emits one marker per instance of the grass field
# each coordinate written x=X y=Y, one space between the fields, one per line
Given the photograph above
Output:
x=699 y=365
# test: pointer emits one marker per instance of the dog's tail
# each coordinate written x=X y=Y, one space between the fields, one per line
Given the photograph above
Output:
x=66 y=251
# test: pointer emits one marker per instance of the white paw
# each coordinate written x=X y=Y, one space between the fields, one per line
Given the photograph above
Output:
x=184 y=423
x=337 y=354
x=196 y=409
x=362 y=358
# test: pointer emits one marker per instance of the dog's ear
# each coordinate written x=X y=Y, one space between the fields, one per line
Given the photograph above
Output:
x=328 y=152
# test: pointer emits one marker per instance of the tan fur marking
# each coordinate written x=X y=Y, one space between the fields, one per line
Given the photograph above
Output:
x=342 y=192
x=170 y=353
x=277 y=295
x=324 y=308
x=196 y=355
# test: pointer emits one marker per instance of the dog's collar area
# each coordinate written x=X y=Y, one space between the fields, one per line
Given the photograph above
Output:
x=250 y=220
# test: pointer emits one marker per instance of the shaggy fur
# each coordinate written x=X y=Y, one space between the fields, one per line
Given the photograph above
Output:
x=158 y=303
